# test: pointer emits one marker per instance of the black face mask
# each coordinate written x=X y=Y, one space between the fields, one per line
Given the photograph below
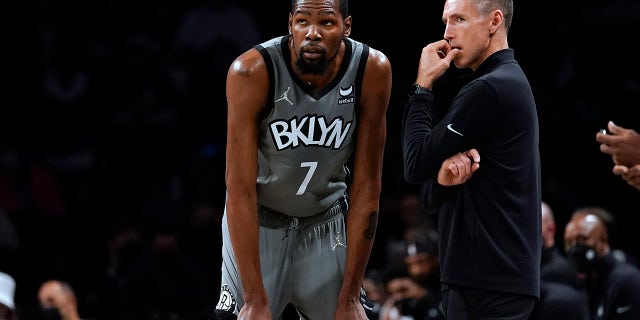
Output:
x=51 y=314
x=583 y=258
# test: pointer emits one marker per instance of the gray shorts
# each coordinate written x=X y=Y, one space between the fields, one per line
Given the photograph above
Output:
x=302 y=262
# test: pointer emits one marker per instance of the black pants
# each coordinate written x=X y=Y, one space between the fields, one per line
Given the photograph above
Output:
x=460 y=303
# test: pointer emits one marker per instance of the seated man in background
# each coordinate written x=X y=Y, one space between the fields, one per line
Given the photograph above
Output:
x=613 y=285
x=562 y=295
x=58 y=301
x=555 y=266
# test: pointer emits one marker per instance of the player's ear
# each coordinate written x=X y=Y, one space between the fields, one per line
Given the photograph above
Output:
x=347 y=26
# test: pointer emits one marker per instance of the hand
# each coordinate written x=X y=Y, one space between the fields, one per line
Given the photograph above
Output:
x=259 y=311
x=459 y=168
x=435 y=59
x=622 y=144
x=630 y=175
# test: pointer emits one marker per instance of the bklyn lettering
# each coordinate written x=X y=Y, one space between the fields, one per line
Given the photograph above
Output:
x=309 y=131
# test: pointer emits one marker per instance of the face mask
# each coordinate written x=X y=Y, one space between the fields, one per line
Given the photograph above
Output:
x=50 y=314
x=583 y=257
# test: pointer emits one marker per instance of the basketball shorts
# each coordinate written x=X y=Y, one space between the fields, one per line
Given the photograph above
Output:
x=302 y=262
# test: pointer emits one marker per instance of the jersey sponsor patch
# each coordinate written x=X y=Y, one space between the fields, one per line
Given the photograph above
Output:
x=346 y=95
x=227 y=301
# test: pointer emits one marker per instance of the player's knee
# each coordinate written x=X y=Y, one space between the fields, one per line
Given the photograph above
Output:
x=224 y=315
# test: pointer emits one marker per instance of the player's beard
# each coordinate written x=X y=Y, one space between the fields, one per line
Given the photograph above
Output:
x=312 y=67
x=315 y=67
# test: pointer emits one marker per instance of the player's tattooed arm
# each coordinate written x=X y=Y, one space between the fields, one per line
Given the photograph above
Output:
x=370 y=231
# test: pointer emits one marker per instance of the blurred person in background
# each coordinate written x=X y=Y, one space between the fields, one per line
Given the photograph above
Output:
x=562 y=296
x=7 y=293
x=373 y=286
x=9 y=252
x=554 y=265
x=58 y=301
x=423 y=266
x=612 y=284
x=421 y=259
x=406 y=298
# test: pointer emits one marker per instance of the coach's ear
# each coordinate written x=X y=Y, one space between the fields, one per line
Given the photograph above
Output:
x=497 y=21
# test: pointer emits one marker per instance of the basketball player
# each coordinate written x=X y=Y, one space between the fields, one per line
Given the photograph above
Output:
x=298 y=225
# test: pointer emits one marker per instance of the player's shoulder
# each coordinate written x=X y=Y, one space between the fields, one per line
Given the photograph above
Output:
x=247 y=63
x=378 y=58
x=378 y=67
x=375 y=56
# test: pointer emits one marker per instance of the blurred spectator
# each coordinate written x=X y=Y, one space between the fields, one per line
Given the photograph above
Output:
x=373 y=286
x=7 y=291
x=9 y=266
x=421 y=258
x=406 y=299
x=555 y=266
x=423 y=266
x=401 y=217
x=613 y=285
x=611 y=226
x=58 y=301
x=561 y=293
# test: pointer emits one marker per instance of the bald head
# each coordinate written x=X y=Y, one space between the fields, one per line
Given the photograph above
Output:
x=59 y=294
x=587 y=229
x=53 y=292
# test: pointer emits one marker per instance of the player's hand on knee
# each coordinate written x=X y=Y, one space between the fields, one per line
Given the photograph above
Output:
x=350 y=311
x=255 y=312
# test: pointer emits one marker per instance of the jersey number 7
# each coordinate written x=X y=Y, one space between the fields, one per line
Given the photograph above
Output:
x=312 y=168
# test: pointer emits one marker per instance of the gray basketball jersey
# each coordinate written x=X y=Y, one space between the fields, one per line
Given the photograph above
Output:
x=306 y=138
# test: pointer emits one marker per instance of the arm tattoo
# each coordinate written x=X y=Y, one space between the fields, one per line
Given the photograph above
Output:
x=370 y=231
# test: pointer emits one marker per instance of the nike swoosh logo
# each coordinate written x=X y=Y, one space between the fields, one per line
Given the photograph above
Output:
x=623 y=309
x=452 y=130
x=347 y=91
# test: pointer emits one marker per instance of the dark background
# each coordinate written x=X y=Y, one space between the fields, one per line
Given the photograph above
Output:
x=113 y=123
